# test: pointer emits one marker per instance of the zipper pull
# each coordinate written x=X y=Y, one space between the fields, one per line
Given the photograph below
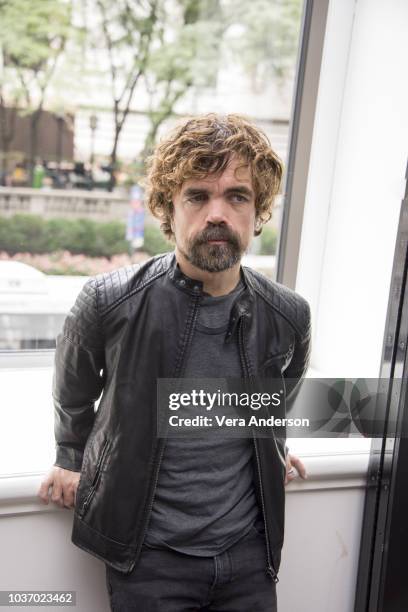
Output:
x=272 y=573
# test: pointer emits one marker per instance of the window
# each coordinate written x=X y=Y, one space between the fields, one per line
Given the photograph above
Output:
x=71 y=204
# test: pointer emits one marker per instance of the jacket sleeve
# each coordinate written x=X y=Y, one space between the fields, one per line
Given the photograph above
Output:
x=299 y=364
x=78 y=378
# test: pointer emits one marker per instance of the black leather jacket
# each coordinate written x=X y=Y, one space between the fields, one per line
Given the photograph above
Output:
x=127 y=329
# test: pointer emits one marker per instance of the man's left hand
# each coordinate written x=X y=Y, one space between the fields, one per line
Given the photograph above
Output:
x=294 y=467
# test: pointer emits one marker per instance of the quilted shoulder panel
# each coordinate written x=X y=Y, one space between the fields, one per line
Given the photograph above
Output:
x=116 y=286
x=100 y=294
x=292 y=306
x=82 y=325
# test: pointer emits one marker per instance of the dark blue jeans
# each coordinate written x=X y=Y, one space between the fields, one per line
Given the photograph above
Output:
x=169 y=581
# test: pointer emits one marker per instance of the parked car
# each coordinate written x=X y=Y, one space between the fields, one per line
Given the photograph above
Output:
x=33 y=306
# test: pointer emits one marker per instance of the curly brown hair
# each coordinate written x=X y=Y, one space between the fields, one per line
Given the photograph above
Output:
x=204 y=145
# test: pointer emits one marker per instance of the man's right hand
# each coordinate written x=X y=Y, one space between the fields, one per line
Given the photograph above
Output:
x=59 y=486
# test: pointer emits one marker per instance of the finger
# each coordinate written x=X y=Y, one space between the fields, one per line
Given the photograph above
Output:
x=44 y=491
x=300 y=466
x=291 y=474
x=69 y=498
x=70 y=492
x=56 y=495
x=75 y=491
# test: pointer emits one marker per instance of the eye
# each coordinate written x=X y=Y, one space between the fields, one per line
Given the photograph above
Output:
x=197 y=198
x=238 y=197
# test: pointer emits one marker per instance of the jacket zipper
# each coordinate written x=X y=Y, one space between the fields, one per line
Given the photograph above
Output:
x=274 y=358
x=96 y=479
x=163 y=440
x=269 y=568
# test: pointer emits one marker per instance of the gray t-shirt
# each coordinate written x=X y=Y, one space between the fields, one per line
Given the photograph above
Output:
x=205 y=499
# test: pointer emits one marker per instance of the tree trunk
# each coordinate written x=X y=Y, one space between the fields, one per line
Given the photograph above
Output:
x=113 y=161
x=4 y=164
x=34 y=122
x=7 y=117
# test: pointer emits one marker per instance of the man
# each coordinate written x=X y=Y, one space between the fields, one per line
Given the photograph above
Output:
x=182 y=524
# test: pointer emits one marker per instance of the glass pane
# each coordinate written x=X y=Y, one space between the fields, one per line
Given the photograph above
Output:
x=118 y=75
x=27 y=332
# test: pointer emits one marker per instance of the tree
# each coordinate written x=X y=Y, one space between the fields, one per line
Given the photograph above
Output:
x=33 y=36
x=172 y=47
x=209 y=32
x=8 y=116
x=155 y=44
x=264 y=36
x=188 y=60
x=126 y=29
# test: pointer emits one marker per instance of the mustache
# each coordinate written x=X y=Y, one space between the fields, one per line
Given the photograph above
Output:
x=216 y=233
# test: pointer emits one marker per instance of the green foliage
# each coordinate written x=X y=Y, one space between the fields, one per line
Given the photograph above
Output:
x=32 y=234
x=264 y=37
x=269 y=240
x=191 y=58
x=20 y=230
x=155 y=241
x=32 y=35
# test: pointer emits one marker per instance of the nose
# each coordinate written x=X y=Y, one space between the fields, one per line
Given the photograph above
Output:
x=216 y=211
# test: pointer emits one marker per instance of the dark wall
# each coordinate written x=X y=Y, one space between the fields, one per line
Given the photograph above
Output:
x=55 y=138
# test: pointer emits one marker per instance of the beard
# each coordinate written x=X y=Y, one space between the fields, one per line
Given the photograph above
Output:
x=214 y=257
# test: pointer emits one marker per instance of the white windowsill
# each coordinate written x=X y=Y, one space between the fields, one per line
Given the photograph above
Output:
x=18 y=492
x=27 y=441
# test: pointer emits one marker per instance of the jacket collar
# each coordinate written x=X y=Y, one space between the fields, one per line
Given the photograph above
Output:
x=243 y=305
x=181 y=281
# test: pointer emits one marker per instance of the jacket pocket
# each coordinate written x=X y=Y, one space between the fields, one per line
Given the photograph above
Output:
x=96 y=478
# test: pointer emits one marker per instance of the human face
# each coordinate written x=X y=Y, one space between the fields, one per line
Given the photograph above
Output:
x=214 y=218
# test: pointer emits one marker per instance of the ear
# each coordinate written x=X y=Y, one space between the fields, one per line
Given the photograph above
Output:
x=258 y=226
x=171 y=216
